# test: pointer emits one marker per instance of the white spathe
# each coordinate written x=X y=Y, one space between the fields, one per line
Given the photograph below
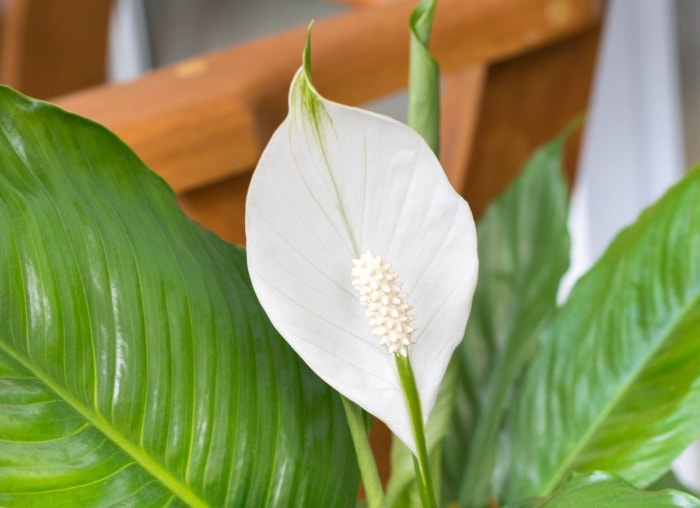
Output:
x=333 y=183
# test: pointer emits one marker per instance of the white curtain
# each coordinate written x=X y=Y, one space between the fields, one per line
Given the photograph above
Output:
x=129 y=49
x=633 y=141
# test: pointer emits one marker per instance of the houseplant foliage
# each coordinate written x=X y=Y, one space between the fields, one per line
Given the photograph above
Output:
x=138 y=368
x=627 y=342
x=605 y=491
x=624 y=343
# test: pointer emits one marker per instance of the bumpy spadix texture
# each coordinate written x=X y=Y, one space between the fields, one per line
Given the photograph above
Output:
x=388 y=312
x=333 y=183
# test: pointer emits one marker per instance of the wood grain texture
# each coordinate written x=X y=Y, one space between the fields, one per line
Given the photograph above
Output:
x=52 y=47
x=207 y=119
x=220 y=207
x=460 y=104
x=364 y=3
x=527 y=100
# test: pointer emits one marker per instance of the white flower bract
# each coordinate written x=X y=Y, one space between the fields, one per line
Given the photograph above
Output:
x=334 y=183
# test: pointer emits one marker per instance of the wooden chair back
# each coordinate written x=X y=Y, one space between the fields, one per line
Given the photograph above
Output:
x=515 y=72
x=52 y=47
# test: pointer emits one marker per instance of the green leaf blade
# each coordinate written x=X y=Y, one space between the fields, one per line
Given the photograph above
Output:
x=615 y=386
x=51 y=446
x=141 y=332
x=424 y=77
x=523 y=252
x=603 y=490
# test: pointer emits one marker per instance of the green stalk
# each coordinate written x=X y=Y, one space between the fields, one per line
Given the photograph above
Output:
x=424 y=117
x=423 y=77
x=365 y=459
x=420 y=462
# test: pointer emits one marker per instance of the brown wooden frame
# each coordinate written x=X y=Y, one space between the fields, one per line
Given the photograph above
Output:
x=52 y=47
x=515 y=72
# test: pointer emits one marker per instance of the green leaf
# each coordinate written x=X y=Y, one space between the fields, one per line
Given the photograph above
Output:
x=523 y=253
x=603 y=490
x=671 y=481
x=616 y=385
x=136 y=366
x=424 y=77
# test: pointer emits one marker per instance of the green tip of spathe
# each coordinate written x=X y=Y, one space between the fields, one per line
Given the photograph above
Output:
x=306 y=57
x=306 y=83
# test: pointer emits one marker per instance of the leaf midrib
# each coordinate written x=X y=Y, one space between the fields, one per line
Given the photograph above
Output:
x=596 y=425
x=137 y=454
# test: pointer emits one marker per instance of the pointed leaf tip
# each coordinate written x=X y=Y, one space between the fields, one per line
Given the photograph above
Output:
x=306 y=55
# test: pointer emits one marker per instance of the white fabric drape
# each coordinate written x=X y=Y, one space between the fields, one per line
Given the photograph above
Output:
x=129 y=49
x=633 y=140
x=633 y=144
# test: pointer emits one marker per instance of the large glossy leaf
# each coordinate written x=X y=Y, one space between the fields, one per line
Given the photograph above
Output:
x=601 y=490
x=523 y=253
x=136 y=366
x=616 y=385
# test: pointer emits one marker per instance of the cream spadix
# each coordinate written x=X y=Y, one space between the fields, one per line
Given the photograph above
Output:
x=386 y=307
x=333 y=184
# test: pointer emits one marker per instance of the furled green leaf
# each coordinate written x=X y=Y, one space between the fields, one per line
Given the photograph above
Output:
x=601 y=490
x=616 y=385
x=523 y=253
x=136 y=366
x=424 y=77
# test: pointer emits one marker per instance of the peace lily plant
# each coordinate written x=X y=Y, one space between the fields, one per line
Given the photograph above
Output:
x=362 y=255
x=145 y=362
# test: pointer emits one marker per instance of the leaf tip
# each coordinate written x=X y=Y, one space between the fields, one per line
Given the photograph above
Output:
x=306 y=56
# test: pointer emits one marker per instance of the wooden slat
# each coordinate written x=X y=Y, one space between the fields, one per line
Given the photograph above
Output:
x=364 y=3
x=220 y=207
x=208 y=119
x=460 y=105
x=3 y=17
x=527 y=101
x=52 y=47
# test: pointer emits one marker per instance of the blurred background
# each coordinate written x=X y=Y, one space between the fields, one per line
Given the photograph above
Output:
x=644 y=117
x=151 y=33
x=643 y=120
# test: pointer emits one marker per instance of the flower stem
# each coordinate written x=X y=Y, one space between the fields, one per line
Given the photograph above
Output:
x=420 y=461
x=365 y=459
